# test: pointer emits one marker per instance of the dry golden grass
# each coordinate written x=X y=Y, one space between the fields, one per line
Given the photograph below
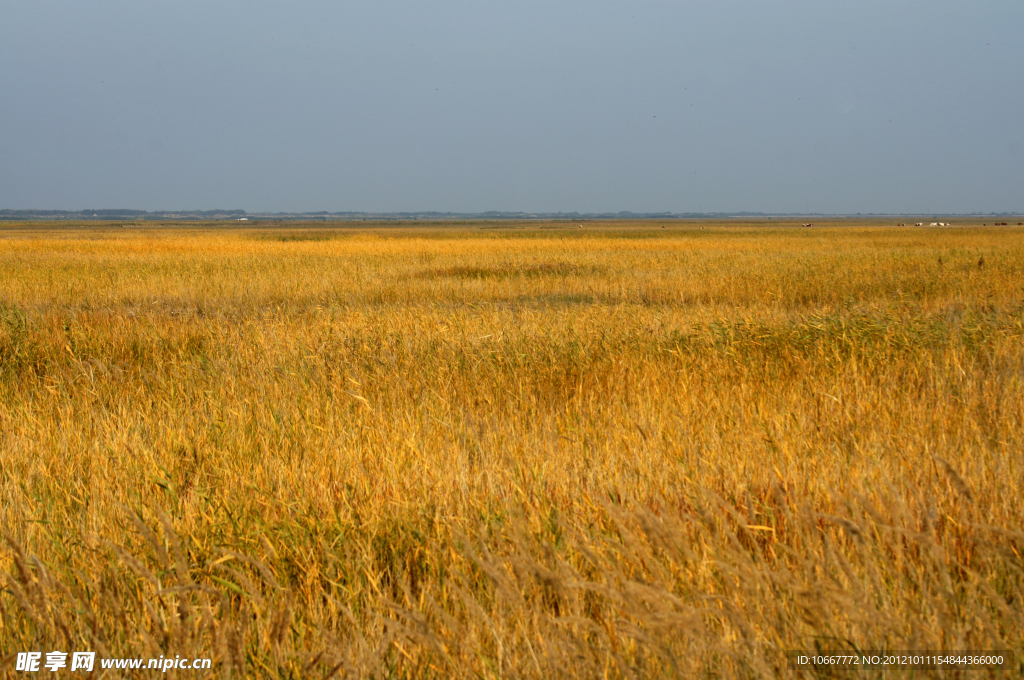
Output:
x=620 y=451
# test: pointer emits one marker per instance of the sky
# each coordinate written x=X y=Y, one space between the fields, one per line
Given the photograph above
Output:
x=719 y=106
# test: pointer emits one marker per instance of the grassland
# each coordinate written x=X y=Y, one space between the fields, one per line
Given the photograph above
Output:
x=616 y=451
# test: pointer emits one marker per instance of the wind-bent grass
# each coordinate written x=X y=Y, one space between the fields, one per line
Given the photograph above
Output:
x=619 y=451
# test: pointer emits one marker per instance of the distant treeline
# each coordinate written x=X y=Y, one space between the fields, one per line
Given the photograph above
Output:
x=115 y=213
x=124 y=214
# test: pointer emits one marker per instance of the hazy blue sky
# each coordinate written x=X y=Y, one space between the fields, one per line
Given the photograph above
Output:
x=537 y=106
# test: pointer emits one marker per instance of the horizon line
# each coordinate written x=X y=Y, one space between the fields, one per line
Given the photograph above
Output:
x=125 y=213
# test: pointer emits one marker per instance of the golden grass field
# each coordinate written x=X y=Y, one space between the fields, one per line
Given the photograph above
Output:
x=503 y=451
